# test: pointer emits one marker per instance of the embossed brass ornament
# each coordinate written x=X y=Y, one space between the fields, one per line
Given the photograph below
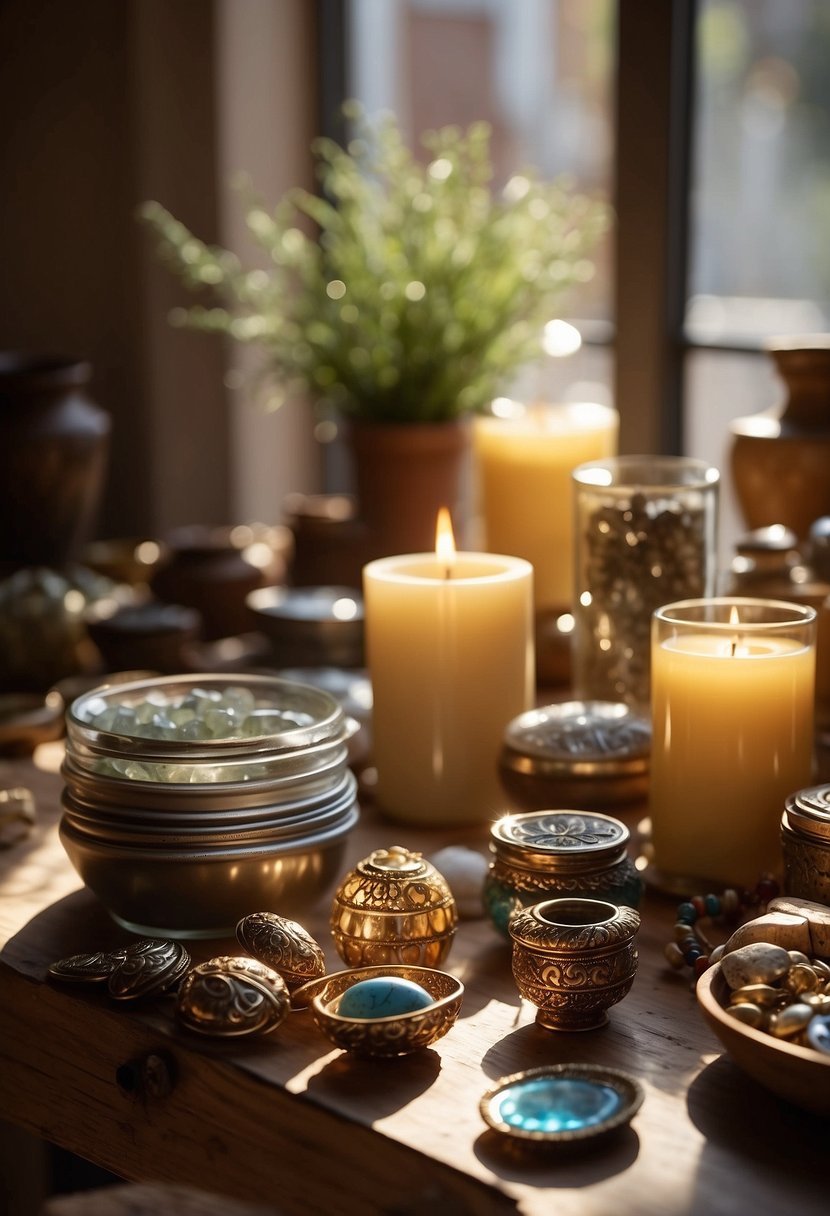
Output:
x=147 y=967
x=394 y=907
x=386 y=1036
x=283 y=945
x=805 y=844
x=540 y=855
x=574 y=959
x=229 y=997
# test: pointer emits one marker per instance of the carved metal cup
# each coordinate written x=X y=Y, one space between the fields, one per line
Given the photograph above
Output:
x=574 y=959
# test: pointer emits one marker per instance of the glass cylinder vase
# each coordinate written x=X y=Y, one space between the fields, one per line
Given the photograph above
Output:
x=646 y=535
x=732 y=735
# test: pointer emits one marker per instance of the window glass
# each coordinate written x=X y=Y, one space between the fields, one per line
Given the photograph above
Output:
x=760 y=208
x=541 y=73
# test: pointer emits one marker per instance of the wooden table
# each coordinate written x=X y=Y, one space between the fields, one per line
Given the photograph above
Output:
x=291 y=1121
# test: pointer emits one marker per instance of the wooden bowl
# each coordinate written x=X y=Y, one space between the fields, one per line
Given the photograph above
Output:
x=799 y=1074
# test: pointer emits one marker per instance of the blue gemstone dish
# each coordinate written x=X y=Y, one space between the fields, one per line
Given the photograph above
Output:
x=561 y=1103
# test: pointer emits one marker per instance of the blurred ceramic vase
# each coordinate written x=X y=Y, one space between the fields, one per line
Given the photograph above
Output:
x=780 y=456
x=54 y=448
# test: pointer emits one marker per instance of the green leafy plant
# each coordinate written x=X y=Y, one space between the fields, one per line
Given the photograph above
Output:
x=422 y=290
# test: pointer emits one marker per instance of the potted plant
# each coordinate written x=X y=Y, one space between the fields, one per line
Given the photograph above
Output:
x=415 y=300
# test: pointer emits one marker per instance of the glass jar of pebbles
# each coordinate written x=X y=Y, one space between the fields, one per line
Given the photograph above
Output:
x=646 y=534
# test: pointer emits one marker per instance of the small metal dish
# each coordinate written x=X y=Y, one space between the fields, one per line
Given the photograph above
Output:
x=387 y=1036
x=561 y=1103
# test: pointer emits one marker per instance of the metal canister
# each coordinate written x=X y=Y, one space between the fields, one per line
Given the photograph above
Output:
x=805 y=844
x=541 y=855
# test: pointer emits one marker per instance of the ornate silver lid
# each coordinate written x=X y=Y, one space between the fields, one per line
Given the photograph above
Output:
x=551 y=839
x=809 y=811
x=577 y=753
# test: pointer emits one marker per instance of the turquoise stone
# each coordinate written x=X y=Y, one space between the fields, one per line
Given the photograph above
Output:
x=557 y=1104
x=386 y=996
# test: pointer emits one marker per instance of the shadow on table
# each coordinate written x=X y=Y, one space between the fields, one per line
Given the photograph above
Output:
x=353 y=1082
x=563 y=1166
x=779 y=1142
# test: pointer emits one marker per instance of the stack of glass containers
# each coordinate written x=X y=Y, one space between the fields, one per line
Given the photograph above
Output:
x=191 y=801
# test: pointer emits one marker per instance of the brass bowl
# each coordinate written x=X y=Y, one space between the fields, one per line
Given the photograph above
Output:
x=799 y=1074
x=390 y=1036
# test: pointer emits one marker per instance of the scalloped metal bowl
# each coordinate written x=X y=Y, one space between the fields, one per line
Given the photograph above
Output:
x=390 y=1036
x=800 y=1075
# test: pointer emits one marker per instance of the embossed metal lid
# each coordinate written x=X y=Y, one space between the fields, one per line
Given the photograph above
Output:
x=578 y=753
x=809 y=811
x=556 y=840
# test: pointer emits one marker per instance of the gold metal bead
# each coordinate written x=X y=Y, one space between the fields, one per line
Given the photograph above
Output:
x=800 y=978
x=230 y=997
x=789 y=1022
x=819 y=1002
x=749 y=1015
x=821 y=968
x=798 y=956
x=284 y=945
x=393 y=908
x=762 y=995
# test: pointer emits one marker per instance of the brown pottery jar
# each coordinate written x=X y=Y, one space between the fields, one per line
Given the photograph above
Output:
x=54 y=445
x=781 y=456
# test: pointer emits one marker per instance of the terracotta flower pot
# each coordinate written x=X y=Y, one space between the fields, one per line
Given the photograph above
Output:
x=403 y=474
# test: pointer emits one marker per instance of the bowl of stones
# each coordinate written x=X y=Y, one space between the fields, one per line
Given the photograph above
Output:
x=770 y=1008
x=190 y=802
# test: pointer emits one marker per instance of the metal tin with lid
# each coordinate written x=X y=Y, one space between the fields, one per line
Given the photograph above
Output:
x=805 y=844
x=556 y=853
x=578 y=753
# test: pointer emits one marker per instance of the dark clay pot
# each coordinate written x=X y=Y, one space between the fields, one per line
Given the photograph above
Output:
x=54 y=446
x=404 y=473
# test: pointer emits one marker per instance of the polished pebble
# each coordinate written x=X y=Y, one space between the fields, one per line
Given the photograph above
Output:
x=382 y=997
x=818 y=1034
x=757 y=963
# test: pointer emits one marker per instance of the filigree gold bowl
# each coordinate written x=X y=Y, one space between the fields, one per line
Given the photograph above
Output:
x=798 y=1074
x=387 y=1036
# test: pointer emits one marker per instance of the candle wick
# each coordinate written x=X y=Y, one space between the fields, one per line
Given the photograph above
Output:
x=734 y=645
x=448 y=571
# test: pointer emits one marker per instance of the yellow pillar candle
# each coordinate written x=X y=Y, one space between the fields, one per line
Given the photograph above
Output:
x=732 y=720
x=525 y=457
x=450 y=653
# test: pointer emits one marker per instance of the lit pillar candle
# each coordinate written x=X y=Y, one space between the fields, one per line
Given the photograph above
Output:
x=525 y=457
x=732 y=721
x=450 y=654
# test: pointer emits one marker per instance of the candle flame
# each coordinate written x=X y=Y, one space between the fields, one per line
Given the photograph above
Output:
x=444 y=540
x=734 y=619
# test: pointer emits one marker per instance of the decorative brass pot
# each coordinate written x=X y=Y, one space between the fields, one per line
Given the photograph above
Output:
x=574 y=959
x=394 y=907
